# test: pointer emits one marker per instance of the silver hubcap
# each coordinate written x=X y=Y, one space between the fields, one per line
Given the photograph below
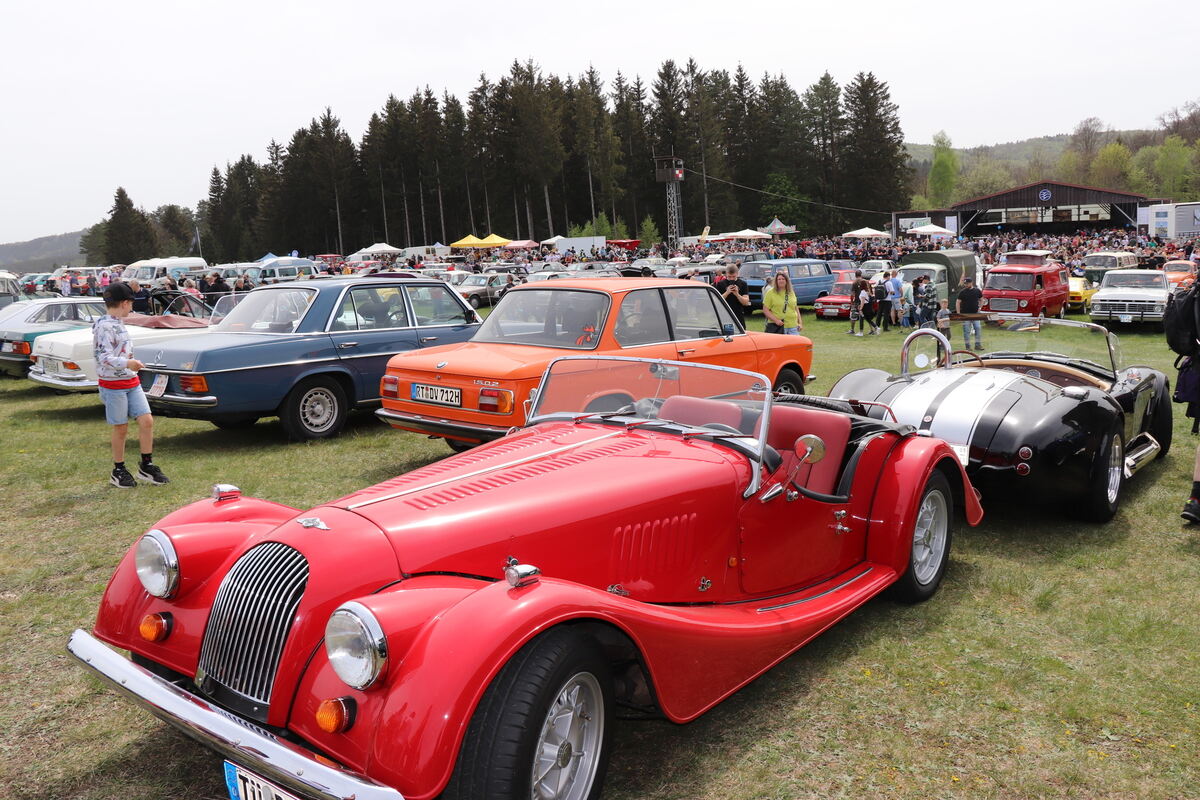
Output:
x=568 y=748
x=929 y=537
x=1116 y=469
x=318 y=409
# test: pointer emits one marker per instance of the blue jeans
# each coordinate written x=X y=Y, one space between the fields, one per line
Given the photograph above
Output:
x=968 y=326
x=792 y=331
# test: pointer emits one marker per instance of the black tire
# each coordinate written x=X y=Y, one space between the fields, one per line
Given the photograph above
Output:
x=498 y=753
x=1162 y=424
x=314 y=409
x=234 y=424
x=1100 y=501
x=922 y=578
x=459 y=446
x=474 y=301
x=1062 y=312
x=789 y=381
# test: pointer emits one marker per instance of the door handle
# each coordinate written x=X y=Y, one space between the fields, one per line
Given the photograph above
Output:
x=685 y=352
x=344 y=345
x=425 y=339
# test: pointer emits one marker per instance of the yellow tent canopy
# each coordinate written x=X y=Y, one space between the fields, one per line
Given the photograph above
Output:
x=492 y=240
x=470 y=240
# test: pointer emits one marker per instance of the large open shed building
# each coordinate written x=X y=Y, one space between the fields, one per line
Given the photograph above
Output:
x=1043 y=207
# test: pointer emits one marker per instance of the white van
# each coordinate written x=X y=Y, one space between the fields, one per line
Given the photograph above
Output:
x=148 y=270
x=1096 y=264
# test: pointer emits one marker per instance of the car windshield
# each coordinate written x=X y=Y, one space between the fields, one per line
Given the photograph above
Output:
x=570 y=318
x=688 y=399
x=1078 y=344
x=1104 y=262
x=1009 y=281
x=1134 y=280
x=842 y=288
x=756 y=271
x=268 y=311
x=475 y=280
x=907 y=274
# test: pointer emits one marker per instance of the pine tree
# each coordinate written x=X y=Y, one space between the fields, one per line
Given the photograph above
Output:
x=648 y=233
x=875 y=167
x=93 y=245
x=128 y=233
x=826 y=127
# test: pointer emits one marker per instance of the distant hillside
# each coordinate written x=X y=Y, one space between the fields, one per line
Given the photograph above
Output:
x=42 y=254
x=1048 y=147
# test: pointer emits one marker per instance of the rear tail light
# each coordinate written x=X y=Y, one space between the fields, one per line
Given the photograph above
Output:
x=21 y=347
x=193 y=383
x=389 y=386
x=496 y=401
x=70 y=365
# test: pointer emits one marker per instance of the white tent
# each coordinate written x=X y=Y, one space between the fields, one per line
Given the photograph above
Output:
x=745 y=234
x=865 y=233
x=382 y=249
x=553 y=240
x=929 y=230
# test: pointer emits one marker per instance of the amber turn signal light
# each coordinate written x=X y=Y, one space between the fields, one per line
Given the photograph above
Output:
x=389 y=386
x=336 y=715
x=193 y=383
x=155 y=627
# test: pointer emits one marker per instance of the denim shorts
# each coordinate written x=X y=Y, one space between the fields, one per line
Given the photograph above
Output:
x=122 y=405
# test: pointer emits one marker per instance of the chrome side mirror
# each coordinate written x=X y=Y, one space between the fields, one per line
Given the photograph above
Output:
x=810 y=449
x=728 y=330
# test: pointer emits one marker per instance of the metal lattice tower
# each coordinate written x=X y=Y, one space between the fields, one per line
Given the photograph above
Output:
x=673 y=221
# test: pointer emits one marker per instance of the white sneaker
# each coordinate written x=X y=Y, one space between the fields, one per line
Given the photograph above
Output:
x=858 y=334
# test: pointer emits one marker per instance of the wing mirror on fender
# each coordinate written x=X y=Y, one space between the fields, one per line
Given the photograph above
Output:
x=728 y=330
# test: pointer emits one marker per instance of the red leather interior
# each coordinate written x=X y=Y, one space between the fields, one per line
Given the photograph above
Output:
x=790 y=422
x=700 y=411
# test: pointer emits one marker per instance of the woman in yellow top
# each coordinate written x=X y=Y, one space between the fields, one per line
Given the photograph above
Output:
x=779 y=306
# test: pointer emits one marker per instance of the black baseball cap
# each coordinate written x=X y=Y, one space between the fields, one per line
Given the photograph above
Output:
x=117 y=293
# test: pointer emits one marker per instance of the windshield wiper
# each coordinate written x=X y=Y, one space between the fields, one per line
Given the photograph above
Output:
x=598 y=415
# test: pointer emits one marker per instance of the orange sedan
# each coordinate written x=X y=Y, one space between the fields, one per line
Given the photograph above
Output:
x=476 y=391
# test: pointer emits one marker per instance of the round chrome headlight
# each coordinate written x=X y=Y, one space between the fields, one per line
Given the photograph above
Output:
x=157 y=564
x=356 y=645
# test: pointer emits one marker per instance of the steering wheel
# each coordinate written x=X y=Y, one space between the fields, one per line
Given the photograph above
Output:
x=717 y=426
x=973 y=355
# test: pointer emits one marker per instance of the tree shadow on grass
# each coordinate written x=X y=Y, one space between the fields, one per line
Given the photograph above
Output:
x=652 y=756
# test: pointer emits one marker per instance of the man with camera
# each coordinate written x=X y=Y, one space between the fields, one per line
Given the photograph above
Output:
x=736 y=293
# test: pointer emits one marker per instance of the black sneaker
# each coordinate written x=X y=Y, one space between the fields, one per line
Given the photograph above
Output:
x=152 y=474
x=1191 y=510
x=121 y=478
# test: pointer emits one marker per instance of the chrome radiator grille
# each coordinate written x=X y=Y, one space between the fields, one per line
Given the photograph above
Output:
x=1125 y=307
x=1002 y=303
x=249 y=621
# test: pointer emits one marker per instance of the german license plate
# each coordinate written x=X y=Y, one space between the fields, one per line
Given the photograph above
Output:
x=829 y=312
x=158 y=387
x=1125 y=318
x=245 y=785
x=442 y=395
x=49 y=364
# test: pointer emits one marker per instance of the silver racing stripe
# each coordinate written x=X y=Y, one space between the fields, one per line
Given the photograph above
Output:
x=953 y=402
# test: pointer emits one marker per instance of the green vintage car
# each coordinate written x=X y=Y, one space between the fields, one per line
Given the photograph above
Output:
x=25 y=320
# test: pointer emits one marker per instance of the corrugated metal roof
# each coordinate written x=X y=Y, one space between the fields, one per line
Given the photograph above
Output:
x=1049 y=193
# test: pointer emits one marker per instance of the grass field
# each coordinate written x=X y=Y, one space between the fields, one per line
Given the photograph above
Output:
x=1059 y=660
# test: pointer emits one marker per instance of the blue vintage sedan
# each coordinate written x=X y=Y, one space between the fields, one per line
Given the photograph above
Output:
x=306 y=352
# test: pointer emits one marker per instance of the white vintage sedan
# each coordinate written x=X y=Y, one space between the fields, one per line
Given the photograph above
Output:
x=66 y=361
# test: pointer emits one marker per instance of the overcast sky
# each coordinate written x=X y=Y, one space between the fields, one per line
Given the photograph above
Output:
x=150 y=95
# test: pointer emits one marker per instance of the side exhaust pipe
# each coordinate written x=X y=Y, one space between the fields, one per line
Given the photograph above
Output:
x=1141 y=451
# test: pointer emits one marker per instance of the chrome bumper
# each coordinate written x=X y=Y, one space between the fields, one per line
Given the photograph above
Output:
x=260 y=751
x=441 y=427
x=81 y=385
x=205 y=401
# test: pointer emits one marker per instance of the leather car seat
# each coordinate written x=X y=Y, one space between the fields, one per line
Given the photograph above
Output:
x=699 y=411
x=790 y=422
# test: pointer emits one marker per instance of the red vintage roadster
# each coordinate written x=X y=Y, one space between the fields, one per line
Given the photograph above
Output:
x=468 y=628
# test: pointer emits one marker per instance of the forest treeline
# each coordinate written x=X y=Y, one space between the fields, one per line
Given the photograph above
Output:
x=531 y=155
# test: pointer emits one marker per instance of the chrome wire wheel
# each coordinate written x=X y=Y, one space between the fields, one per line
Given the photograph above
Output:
x=318 y=409
x=1116 y=469
x=567 y=752
x=930 y=537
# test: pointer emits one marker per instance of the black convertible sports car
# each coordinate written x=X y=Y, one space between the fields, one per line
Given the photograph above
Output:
x=1046 y=409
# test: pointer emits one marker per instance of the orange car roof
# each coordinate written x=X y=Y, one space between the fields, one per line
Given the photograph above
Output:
x=609 y=285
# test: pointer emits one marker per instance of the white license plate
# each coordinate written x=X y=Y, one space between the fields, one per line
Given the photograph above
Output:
x=442 y=395
x=158 y=387
x=963 y=452
x=6 y=347
x=1125 y=318
x=245 y=785
x=829 y=312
